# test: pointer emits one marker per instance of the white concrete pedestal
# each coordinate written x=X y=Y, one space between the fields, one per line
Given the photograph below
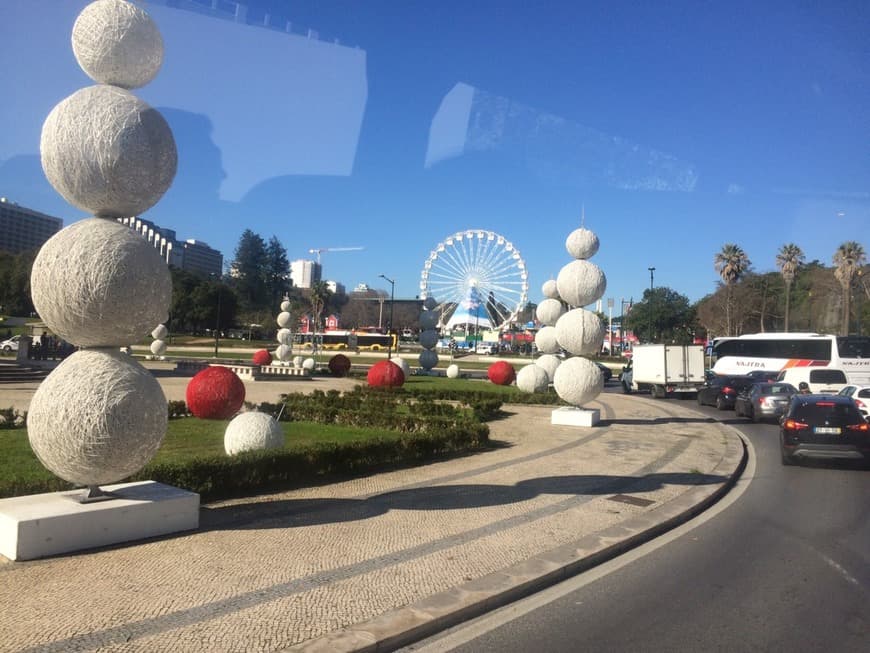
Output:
x=570 y=416
x=40 y=525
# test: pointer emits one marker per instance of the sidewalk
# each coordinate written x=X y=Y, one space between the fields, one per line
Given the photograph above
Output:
x=366 y=564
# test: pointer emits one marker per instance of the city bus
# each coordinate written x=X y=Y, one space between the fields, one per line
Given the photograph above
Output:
x=342 y=339
x=777 y=351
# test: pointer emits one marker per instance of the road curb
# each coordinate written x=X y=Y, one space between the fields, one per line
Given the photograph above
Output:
x=443 y=610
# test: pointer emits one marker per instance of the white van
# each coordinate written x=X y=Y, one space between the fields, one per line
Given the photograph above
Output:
x=822 y=380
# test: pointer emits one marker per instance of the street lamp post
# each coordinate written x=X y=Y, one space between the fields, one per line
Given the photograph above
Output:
x=651 y=270
x=390 y=327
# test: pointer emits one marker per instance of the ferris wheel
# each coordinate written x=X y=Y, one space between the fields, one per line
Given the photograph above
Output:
x=480 y=264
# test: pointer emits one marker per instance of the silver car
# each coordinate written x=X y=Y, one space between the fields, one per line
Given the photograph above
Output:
x=764 y=401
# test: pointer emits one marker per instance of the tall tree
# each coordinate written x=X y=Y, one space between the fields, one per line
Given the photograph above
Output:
x=248 y=272
x=848 y=259
x=789 y=258
x=276 y=270
x=731 y=263
x=319 y=298
x=670 y=313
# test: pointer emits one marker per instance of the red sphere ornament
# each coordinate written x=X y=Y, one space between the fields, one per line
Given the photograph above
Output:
x=215 y=393
x=339 y=365
x=261 y=357
x=501 y=373
x=385 y=374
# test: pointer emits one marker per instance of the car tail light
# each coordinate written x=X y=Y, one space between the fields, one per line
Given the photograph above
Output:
x=824 y=403
x=727 y=390
x=793 y=425
x=860 y=404
x=764 y=401
x=863 y=427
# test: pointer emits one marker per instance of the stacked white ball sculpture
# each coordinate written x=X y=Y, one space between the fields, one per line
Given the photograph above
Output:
x=284 y=352
x=100 y=416
x=429 y=334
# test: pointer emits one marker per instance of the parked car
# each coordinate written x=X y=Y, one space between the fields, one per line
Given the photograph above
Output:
x=10 y=345
x=763 y=375
x=860 y=394
x=823 y=426
x=821 y=380
x=722 y=391
x=606 y=371
x=764 y=400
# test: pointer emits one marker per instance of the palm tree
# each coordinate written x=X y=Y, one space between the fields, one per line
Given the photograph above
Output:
x=788 y=260
x=848 y=259
x=731 y=263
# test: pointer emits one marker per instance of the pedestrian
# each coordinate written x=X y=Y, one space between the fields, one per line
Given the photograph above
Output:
x=803 y=388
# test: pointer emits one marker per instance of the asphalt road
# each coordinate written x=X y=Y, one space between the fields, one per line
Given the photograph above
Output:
x=786 y=567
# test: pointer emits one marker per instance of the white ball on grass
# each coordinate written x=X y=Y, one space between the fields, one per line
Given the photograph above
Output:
x=580 y=283
x=98 y=418
x=252 y=431
x=533 y=378
x=578 y=380
x=97 y=283
x=546 y=340
x=582 y=243
x=453 y=371
x=116 y=42
x=549 y=310
x=308 y=364
x=581 y=332
x=107 y=152
x=549 y=363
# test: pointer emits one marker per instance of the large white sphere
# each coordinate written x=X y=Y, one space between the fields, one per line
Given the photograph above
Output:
x=453 y=371
x=546 y=340
x=308 y=364
x=549 y=363
x=580 y=332
x=107 y=152
x=98 y=418
x=549 y=311
x=158 y=347
x=578 y=380
x=428 y=359
x=285 y=337
x=297 y=361
x=160 y=332
x=428 y=338
x=550 y=289
x=428 y=320
x=117 y=43
x=252 y=432
x=285 y=306
x=430 y=303
x=284 y=319
x=532 y=378
x=98 y=284
x=402 y=364
x=581 y=283
x=581 y=244
x=284 y=352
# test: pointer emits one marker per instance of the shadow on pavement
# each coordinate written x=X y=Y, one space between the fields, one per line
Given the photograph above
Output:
x=289 y=513
x=658 y=421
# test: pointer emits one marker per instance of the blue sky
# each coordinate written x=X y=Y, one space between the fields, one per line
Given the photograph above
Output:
x=389 y=125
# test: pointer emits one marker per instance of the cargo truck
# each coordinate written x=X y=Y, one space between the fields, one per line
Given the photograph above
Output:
x=665 y=370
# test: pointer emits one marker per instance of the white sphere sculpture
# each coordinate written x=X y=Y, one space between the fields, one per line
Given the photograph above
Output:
x=158 y=347
x=550 y=290
x=101 y=431
x=582 y=243
x=117 y=43
x=428 y=320
x=160 y=332
x=284 y=352
x=533 y=378
x=453 y=371
x=580 y=283
x=549 y=311
x=403 y=365
x=297 y=361
x=430 y=303
x=428 y=338
x=107 y=152
x=285 y=306
x=308 y=364
x=97 y=283
x=580 y=332
x=285 y=337
x=578 y=380
x=546 y=340
x=549 y=363
x=428 y=359
x=252 y=432
x=284 y=319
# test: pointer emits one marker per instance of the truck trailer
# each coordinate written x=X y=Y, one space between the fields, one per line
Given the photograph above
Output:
x=665 y=370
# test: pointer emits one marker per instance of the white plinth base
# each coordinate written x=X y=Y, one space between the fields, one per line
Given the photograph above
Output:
x=568 y=416
x=42 y=525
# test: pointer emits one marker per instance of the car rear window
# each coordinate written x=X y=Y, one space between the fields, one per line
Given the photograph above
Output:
x=864 y=393
x=827 y=376
x=827 y=412
x=779 y=389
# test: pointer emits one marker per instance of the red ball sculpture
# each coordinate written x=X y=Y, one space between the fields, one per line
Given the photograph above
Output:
x=261 y=357
x=339 y=365
x=215 y=393
x=385 y=374
x=501 y=373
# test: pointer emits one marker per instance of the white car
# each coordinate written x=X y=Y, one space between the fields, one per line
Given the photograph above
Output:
x=860 y=394
x=10 y=345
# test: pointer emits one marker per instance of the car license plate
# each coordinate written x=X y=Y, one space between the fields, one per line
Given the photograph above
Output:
x=827 y=430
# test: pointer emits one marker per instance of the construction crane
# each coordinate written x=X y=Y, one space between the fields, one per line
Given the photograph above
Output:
x=320 y=250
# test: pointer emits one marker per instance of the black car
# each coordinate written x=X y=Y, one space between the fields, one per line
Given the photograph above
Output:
x=823 y=426
x=722 y=391
x=764 y=400
x=763 y=375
